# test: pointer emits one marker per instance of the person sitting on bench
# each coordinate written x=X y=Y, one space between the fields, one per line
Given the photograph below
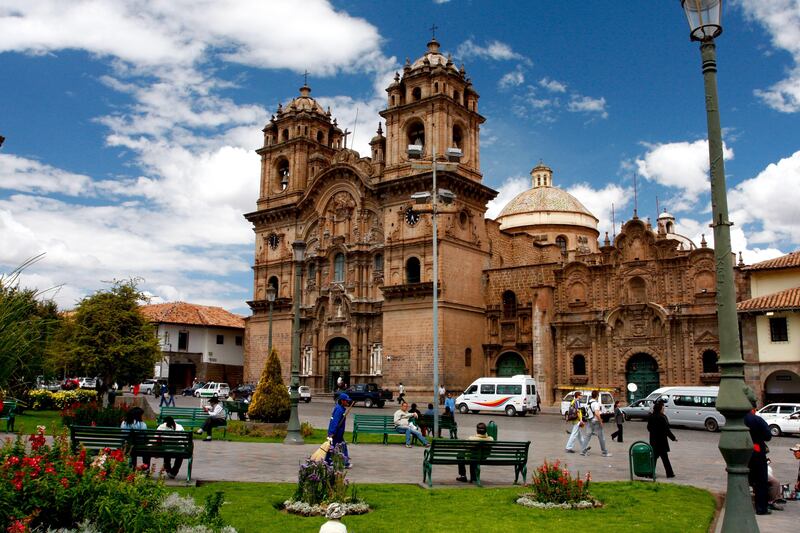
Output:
x=462 y=469
x=216 y=417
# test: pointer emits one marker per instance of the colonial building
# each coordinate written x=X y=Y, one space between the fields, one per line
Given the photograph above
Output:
x=770 y=324
x=531 y=292
x=197 y=342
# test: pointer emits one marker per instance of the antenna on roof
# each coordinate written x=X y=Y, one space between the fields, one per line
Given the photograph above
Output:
x=355 y=123
x=635 y=198
x=658 y=211
x=613 y=223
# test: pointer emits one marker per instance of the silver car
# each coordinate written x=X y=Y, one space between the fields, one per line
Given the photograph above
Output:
x=640 y=409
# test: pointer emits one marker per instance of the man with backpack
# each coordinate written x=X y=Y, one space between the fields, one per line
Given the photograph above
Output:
x=595 y=425
x=575 y=415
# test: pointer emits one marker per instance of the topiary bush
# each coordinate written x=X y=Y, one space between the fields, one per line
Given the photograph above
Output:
x=270 y=402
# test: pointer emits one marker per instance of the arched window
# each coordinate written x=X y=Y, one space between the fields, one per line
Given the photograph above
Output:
x=710 y=362
x=393 y=100
x=416 y=94
x=670 y=228
x=378 y=263
x=436 y=87
x=320 y=137
x=578 y=365
x=285 y=134
x=637 y=290
x=457 y=136
x=416 y=134
x=561 y=241
x=457 y=96
x=509 y=304
x=468 y=357
x=412 y=270
x=338 y=267
x=312 y=271
x=283 y=174
x=273 y=282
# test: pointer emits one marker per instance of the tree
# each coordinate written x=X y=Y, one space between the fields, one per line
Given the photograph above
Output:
x=270 y=399
x=27 y=322
x=107 y=336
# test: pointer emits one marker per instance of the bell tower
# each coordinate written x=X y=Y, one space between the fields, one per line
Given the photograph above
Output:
x=432 y=106
x=294 y=138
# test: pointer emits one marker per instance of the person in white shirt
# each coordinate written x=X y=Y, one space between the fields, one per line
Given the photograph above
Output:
x=442 y=392
x=595 y=425
x=402 y=424
x=216 y=418
x=170 y=425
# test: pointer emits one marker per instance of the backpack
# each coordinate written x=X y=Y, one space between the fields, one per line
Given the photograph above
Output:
x=588 y=411
x=572 y=412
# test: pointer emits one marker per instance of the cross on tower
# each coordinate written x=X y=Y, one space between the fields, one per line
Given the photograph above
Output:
x=305 y=78
x=433 y=31
x=345 y=134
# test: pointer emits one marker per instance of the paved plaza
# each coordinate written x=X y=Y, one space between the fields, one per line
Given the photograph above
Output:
x=695 y=457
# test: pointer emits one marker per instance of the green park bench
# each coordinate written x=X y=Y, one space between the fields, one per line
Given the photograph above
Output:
x=191 y=418
x=8 y=412
x=231 y=407
x=482 y=453
x=445 y=422
x=379 y=424
x=151 y=442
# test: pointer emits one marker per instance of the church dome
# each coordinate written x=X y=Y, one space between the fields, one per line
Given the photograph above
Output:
x=545 y=205
x=433 y=57
x=305 y=102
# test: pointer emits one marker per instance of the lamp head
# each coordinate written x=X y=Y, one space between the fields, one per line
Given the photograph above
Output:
x=271 y=293
x=414 y=151
x=704 y=18
x=299 y=249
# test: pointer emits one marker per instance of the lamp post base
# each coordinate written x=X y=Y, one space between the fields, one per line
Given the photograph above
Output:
x=293 y=435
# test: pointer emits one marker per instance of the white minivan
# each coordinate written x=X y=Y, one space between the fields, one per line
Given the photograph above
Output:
x=515 y=395
x=693 y=407
x=605 y=397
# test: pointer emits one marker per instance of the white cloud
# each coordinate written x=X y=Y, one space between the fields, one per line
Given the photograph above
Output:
x=512 y=79
x=682 y=165
x=770 y=202
x=553 y=85
x=493 y=50
x=697 y=230
x=27 y=175
x=511 y=187
x=599 y=202
x=586 y=104
x=781 y=19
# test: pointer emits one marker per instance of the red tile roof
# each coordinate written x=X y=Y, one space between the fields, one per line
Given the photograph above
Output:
x=192 y=314
x=788 y=299
x=790 y=260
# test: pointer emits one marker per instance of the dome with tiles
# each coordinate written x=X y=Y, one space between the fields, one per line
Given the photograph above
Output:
x=305 y=102
x=545 y=204
x=433 y=57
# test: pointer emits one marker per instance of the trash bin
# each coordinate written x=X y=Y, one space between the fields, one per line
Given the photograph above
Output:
x=642 y=460
x=491 y=429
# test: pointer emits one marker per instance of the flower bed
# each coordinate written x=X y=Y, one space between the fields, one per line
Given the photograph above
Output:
x=40 y=399
x=320 y=483
x=555 y=488
x=44 y=487
x=92 y=414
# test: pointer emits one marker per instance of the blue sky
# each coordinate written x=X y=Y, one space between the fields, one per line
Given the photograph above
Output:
x=131 y=125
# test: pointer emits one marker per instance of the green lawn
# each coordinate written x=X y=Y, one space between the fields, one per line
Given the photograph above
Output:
x=26 y=422
x=640 y=506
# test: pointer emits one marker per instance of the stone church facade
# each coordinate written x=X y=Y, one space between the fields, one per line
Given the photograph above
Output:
x=531 y=292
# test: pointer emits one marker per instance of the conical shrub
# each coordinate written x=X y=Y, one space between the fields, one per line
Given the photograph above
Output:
x=270 y=401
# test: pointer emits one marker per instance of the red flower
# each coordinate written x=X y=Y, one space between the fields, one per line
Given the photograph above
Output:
x=65 y=482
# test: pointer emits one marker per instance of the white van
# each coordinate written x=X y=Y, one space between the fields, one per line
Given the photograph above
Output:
x=605 y=397
x=693 y=407
x=515 y=395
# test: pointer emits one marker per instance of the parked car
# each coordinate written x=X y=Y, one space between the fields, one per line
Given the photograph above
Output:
x=147 y=386
x=369 y=393
x=639 y=409
x=189 y=391
x=305 y=392
x=87 y=383
x=785 y=424
x=53 y=385
x=211 y=389
x=775 y=414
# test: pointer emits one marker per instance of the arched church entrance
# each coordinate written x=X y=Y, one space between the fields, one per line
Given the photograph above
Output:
x=510 y=364
x=338 y=363
x=642 y=369
x=782 y=386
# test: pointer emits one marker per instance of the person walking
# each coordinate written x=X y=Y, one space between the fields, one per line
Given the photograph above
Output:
x=171 y=397
x=401 y=393
x=442 y=392
x=402 y=424
x=575 y=415
x=450 y=402
x=658 y=427
x=759 y=473
x=164 y=392
x=595 y=423
x=337 y=425
x=169 y=467
x=619 y=418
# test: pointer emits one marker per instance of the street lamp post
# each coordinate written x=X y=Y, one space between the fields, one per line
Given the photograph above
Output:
x=293 y=435
x=271 y=293
x=734 y=443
